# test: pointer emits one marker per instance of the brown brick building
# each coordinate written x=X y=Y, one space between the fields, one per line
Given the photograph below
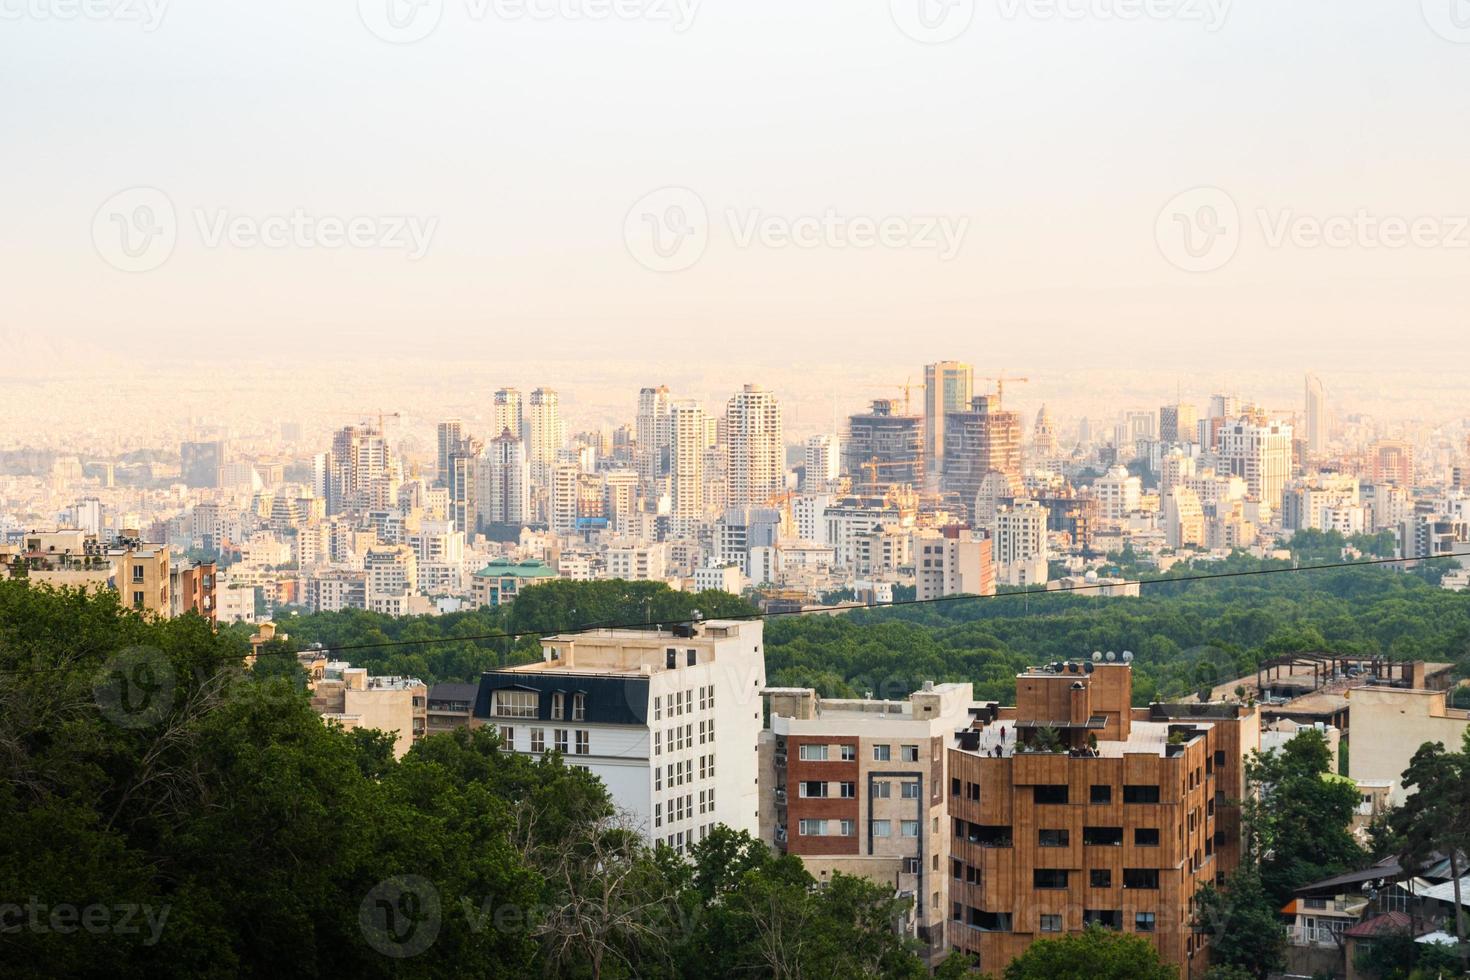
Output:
x=1076 y=808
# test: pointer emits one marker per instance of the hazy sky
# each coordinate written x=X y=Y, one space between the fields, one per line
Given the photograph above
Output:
x=1024 y=177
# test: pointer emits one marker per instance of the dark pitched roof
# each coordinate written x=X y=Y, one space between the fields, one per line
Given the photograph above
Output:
x=1380 y=925
x=1389 y=868
x=453 y=692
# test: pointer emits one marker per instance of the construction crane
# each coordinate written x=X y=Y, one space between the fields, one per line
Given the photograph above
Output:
x=1000 y=385
x=907 y=388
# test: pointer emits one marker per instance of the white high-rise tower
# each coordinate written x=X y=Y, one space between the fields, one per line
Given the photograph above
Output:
x=757 y=470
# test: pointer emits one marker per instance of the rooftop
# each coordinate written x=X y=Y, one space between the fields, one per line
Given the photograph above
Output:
x=505 y=568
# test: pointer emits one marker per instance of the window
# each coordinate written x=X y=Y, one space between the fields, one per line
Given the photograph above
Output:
x=1101 y=795
x=910 y=753
x=909 y=828
x=813 y=753
x=1049 y=794
x=1140 y=794
x=812 y=828
x=559 y=739
x=515 y=704
x=1107 y=918
x=813 y=790
x=846 y=828
x=507 y=736
x=882 y=753
x=538 y=740
x=910 y=791
x=690 y=657
x=137 y=600
x=847 y=791
x=1143 y=922
x=579 y=707
x=1052 y=838
x=657 y=738
x=137 y=573
x=882 y=789
x=911 y=866
x=954 y=786
x=1051 y=923
x=849 y=753
x=1141 y=878
x=1219 y=757
x=1146 y=837
x=882 y=828
x=990 y=921
x=972 y=792
x=658 y=707
x=584 y=741
x=1048 y=878
x=558 y=706
x=671 y=659
x=1102 y=836
x=1100 y=878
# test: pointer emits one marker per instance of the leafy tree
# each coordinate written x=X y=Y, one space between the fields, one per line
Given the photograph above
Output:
x=1097 y=954
x=1435 y=817
x=1245 y=933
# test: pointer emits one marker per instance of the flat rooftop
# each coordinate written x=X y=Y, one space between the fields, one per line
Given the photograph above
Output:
x=1145 y=738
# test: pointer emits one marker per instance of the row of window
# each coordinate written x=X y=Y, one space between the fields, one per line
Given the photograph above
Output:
x=685 y=839
x=1100 y=794
x=1058 y=878
x=682 y=807
x=681 y=737
x=848 y=753
x=847 y=828
x=816 y=789
x=682 y=702
x=679 y=773
x=527 y=704
x=1001 y=921
x=971 y=790
x=582 y=739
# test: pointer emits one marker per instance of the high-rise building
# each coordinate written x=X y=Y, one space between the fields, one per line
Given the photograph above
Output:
x=1316 y=415
x=823 y=463
x=884 y=449
x=1021 y=550
x=564 y=486
x=1392 y=462
x=509 y=416
x=200 y=462
x=653 y=432
x=462 y=467
x=756 y=446
x=1259 y=451
x=359 y=458
x=954 y=563
x=504 y=483
x=687 y=477
x=451 y=435
x=1044 y=437
x=653 y=714
x=1178 y=423
x=979 y=441
x=544 y=433
x=948 y=387
x=620 y=502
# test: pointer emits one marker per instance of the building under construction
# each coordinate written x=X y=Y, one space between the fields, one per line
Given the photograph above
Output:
x=977 y=442
x=885 y=449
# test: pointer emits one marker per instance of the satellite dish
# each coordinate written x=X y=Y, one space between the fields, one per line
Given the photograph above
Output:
x=1097 y=656
x=1111 y=656
x=1128 y=656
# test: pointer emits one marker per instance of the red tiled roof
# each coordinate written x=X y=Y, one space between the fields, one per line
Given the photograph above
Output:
x=1380 y=924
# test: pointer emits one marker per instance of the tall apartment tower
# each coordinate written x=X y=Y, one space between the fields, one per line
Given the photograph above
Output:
x=979 y=441
x=756 y=447
x=823 y=463
x=509 y=416
x=359 y=457
x=1316 y=415
x=885 y=449
x=451 y=434
x=1074 y=808
x=653 y=433
x=463 y=466
x=668 y=720
x=690 y=435
x=1259 y=451
x=544 y=433
x=504 y=482
x=1178 y=423
x=948 y=387
x=860 y=786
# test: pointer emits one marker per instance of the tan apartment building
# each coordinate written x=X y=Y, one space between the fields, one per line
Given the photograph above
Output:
x=1388 y=726
x=348 y=696
x=1075 y=808
x=858 y=787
